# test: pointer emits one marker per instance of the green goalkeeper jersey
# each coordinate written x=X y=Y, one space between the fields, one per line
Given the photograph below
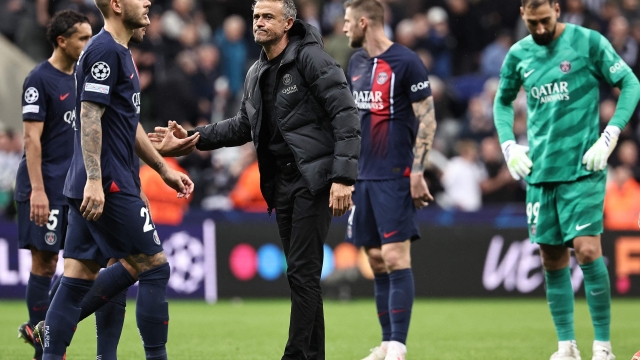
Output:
x=561 y=81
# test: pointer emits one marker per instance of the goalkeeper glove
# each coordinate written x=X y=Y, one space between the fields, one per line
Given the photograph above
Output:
x=518 y=161
x=595 y=159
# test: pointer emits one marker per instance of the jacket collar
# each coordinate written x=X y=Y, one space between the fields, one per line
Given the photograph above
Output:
x=301 y=34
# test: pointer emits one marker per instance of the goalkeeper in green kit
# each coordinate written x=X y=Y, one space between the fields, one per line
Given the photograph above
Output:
x=560 y=67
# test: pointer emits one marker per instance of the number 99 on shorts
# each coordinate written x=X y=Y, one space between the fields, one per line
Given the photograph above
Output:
x=533 y=211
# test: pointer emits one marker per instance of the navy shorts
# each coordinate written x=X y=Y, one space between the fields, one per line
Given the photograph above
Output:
x=125 y=227
x=383 y=213
x=46 y=238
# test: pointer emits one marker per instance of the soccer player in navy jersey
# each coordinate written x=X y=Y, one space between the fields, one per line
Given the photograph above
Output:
x=391 y=89
x=48 y=100
x=107 y=217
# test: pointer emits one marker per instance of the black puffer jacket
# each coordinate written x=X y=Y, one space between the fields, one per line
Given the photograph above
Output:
x=315 y=111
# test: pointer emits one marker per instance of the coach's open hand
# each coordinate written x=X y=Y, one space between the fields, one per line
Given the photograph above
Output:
x=340 y=198
x=419 y=191
x=173 y=140
x=93 y=200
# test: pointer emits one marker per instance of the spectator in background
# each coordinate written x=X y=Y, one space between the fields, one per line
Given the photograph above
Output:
x=621 y=205
x=627 y=156
x=10 y=156
x=493 y=55
x=208 y=58
x=331 y=10
x=499 y=186
x=462 y=178
x=309 y=13
x=182 y=17
x=233 y=48
x=246 y=194
x=630 y=9
x=176 y=98
x=477 y=124
x=465 y=26
x=165 y=207
x=337 y=45
x=405 y=34
x=623 y=43
x=576 y=13
x=439 y=42
x=10 y=17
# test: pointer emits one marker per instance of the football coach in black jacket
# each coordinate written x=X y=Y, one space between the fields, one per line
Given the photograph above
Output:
x=299 y=113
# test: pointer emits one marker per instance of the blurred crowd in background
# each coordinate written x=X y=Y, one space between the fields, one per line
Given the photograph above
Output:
x=195 y=55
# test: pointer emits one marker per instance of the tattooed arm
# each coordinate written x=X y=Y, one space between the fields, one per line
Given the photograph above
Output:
x=145 y=150
x=91 y=140
x=425 y=114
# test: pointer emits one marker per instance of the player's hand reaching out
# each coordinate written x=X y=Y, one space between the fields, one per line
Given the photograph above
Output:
x=179 y=182
x=39 y=210
x=340 y=198
x=419 y=191
x=93 y=200
x=173 y=140
x=518 y=161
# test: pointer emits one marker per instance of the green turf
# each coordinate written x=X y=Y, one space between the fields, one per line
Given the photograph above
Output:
x=440 y=329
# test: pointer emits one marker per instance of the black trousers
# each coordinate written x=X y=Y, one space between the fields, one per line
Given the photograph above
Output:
x=303 y=222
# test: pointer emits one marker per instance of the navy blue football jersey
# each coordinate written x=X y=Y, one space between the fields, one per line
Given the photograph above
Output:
x=384 y=87
x=48 y=95
x=107 y=75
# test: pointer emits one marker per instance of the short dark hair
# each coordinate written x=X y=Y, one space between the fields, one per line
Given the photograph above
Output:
x=372 y=9
x=535 y=3
x=63 y=24
x=288 y=7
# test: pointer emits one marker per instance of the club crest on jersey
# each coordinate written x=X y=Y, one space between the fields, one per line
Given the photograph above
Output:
x=156 y=238
x=382 y=78
x=533 y=229
x=565 y=66
x=50 y=238
x=286 y=79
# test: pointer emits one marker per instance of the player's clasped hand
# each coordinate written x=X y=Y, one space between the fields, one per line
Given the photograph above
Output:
x=39 y=210
x=179 y=182
x=173 y=140
x=419 y=191
x=595 y=159
x=340 y=198
x=518 y=161
x=93 y=200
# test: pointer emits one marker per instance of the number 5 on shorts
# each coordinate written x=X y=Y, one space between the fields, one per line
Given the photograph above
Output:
x=148 y=226
x=53 y=220
x=533 y=210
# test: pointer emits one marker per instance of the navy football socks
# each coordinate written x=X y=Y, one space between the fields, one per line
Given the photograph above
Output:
x=37 y=301
x=401 y=296
x=152 y=311
x=109 y=322
x=54 y=288
x=63 y=316
x=109 y=283
x=381 y=289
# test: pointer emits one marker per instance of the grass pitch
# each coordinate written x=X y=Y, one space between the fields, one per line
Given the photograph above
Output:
x=440 y=329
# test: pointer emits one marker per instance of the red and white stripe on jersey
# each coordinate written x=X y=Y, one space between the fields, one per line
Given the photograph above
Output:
x=382 y=82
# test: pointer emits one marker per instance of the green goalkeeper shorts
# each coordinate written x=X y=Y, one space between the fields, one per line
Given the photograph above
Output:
x=559 y=212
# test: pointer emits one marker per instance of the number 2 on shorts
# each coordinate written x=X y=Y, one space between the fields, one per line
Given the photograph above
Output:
x=148 y=226
x=533 y=210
